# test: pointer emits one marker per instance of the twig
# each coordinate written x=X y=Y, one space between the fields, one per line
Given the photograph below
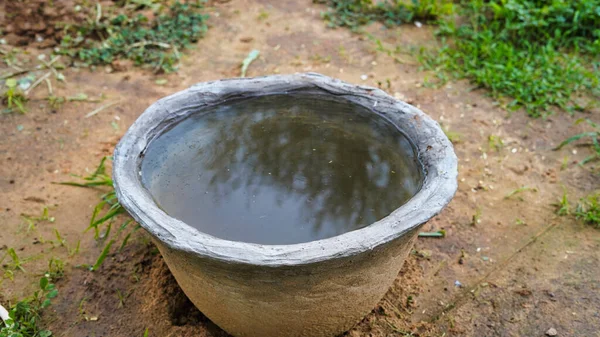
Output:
x=98 y=13
x=14 y=73
x=149 y=43
x=101 y=108
x=51 y=62
x=36 y=83
x=49 y=87
x=49 y=66
x=16 y=67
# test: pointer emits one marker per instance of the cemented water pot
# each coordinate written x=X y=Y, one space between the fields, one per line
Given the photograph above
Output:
x=312 y=289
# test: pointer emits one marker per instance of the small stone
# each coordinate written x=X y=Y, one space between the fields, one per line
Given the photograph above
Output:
x=4 y=314
x=121 y=65
x=551 y=332
x=364 y=77
x=399 y=96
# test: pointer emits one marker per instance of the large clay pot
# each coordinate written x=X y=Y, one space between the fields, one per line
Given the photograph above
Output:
x=312 y=289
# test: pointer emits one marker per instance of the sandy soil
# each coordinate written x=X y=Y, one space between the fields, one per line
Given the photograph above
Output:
x=517 y=270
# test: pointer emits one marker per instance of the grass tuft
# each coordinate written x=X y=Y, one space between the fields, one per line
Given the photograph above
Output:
x=528 y=55
x=12 y=97
x=588 y=210
x=101 y=215
x=155 y=43
x=97 y=179
x=563 y=207
x=355 y=13
x=592 y=135
x=24 y=316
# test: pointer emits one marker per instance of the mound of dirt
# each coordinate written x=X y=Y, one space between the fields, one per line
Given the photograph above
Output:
x=162 y=290
x=38 y=22
x=134 y=290
x=131 y=292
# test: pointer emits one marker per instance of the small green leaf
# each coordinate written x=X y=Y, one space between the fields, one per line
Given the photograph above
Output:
x=46 y=303
x=45 y=333
x=43 y=283
x=52 y=294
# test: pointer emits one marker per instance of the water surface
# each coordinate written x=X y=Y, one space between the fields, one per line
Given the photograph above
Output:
x=281 y=169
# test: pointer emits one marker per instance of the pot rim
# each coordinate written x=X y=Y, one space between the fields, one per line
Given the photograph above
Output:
x=433 y=148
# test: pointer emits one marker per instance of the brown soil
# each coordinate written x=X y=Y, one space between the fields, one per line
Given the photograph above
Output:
x=38 y=22
x=139 y=288
x=521 y=269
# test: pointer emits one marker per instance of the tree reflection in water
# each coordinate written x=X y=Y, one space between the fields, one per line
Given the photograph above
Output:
x=281 y=170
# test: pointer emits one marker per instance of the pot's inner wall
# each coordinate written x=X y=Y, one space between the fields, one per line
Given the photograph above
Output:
x=281 y=169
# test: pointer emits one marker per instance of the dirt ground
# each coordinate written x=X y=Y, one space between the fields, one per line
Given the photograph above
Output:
x=507 y=267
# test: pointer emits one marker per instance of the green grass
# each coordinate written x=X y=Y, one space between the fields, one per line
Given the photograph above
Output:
x=517 y=192
x=99 y=178
x=24 y=316
x=12 y=97
x=355 y=13
x=105 y=212
x=56 y=268
x=155 y=43
x=536 y=55
x=495 y=143
x=563 y=207
x=592 y=135
x=15 y=264
x=102 y=256
x=588 y=210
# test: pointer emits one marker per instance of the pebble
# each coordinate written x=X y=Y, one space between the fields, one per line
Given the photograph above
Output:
x=551 y=332
x=3 y=314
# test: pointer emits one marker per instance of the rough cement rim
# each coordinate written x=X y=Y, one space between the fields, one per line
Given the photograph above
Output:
x=433 y=147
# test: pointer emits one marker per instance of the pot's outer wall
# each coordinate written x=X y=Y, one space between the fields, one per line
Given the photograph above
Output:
x=322 y=299
x=313 y=289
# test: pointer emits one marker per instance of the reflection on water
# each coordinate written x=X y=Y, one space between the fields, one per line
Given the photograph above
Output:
x=281 y=170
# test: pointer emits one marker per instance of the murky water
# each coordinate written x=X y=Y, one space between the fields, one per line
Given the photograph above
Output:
x=281 y=170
